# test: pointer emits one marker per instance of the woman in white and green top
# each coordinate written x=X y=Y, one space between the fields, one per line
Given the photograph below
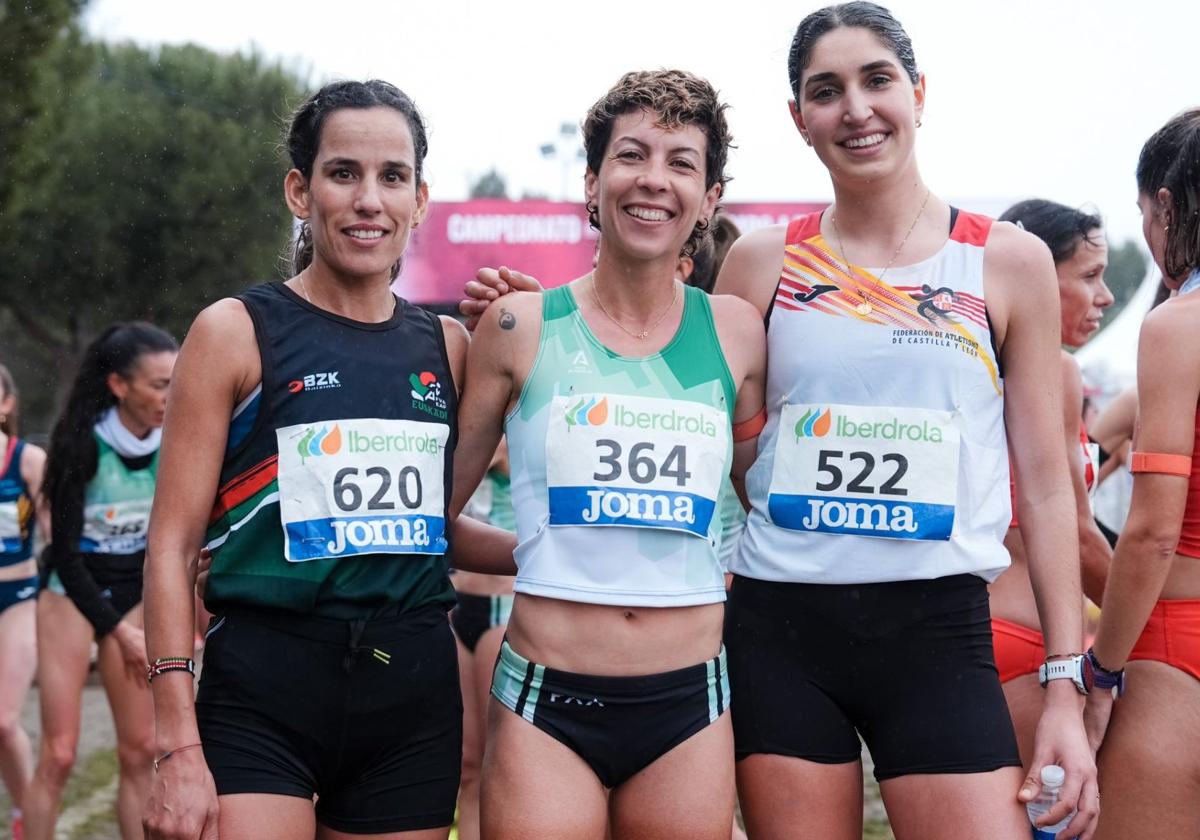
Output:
x=621 y=394
x=99 y=486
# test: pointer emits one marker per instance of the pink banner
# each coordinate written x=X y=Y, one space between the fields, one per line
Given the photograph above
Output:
x=550 y=240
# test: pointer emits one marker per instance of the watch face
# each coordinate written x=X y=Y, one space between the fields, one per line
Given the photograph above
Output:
x=1089 y=674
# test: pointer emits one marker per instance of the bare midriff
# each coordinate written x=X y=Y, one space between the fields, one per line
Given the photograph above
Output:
x=605 y=640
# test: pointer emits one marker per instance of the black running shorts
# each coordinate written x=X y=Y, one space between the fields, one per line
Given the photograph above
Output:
x=618 y=725
x=366 y=715
x=907 y=665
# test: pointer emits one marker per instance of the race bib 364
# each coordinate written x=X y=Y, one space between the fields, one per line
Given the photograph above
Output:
x=637 y=461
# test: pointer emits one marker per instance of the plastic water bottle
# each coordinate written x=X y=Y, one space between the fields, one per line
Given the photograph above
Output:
x=1052 y=782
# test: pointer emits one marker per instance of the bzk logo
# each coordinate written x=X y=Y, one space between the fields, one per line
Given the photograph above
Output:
x=315 y=382
x=813 y=423
x=322 y=441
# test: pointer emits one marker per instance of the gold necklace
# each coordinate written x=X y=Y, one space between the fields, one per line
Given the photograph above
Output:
x=864 y=308
x=646 y=332
x=308 y=300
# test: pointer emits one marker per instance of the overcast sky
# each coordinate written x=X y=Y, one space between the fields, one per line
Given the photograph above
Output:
x=1025 y=97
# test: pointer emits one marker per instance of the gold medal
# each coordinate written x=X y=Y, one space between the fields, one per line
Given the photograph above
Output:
x=863 y=308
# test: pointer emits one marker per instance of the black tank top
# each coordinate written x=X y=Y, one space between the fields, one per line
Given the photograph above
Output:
x=336 y=478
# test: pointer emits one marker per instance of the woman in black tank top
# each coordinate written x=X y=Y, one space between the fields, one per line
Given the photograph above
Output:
x=309 y=448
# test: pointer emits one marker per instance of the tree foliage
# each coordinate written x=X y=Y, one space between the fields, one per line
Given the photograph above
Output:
x=28 y=31
x=147 y=188
x=490 y=184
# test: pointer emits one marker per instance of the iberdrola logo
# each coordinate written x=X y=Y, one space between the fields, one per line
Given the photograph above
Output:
x=587 y=412
x=813 y=424
x=323 y=441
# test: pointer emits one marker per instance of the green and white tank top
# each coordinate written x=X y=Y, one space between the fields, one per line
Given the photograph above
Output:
x=116 y=512
x=617 y=464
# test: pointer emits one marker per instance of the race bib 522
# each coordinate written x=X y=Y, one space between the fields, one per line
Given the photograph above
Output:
x=363 y=486
x=638 y=461
x=866 y=470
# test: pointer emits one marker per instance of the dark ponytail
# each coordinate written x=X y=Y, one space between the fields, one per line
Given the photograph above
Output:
x=1171 y=159
x=304 y=139
x=72 y=455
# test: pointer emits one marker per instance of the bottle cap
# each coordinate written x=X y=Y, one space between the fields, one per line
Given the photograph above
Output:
x=1053 y=776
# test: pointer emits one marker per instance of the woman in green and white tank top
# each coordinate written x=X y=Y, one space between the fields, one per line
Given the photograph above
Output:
x=620 y=394
x=99 y=485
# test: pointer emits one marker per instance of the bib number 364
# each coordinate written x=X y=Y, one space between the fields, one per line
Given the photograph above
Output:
x=642 y=462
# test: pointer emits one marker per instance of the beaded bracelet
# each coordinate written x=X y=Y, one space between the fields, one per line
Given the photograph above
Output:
x=170 y=663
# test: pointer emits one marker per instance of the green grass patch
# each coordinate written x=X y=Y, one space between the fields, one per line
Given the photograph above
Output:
x=96 y=769
x=877 y=830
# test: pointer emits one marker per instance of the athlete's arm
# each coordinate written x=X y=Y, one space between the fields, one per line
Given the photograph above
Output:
x=1114 y=428
x=81 y=587
x=218 y=364
x=457 y=341
x=1168 y=387
x=1022 y=293
x=33 y=468
x=506 y=338
x=744 y=343
x=751 y=269
x=1094 y=551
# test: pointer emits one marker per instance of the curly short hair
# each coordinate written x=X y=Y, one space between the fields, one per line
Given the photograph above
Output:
x=679 y=98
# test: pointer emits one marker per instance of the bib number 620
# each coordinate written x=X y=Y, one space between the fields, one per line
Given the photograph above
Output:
x=640 y=464
x=348 y=491
x=829 y=462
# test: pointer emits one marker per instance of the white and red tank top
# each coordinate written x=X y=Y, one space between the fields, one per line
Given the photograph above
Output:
x=884 y=456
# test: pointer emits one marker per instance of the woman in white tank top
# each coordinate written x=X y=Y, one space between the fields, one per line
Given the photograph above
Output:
x=879 y=496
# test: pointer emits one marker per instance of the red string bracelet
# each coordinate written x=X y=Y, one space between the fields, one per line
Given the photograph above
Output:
x=170 y=753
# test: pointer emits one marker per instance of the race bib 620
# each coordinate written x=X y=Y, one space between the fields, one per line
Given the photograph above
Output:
x=363 y=486
x=638 y=461
x=866 y=470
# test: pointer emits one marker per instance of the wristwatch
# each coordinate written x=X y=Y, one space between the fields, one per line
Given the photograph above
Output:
x=1101 y=678
x=1074 y=668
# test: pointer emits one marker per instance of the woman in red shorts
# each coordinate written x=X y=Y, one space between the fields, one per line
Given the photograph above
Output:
x=1149 y=764
x=1076 y=241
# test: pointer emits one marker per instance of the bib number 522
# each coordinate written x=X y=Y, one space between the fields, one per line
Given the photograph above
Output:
x=830 y=462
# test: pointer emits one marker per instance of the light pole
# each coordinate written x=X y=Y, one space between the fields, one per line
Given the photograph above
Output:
x=567 y=150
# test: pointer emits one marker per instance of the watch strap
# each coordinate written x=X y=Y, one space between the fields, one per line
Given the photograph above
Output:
x=1063 y=669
